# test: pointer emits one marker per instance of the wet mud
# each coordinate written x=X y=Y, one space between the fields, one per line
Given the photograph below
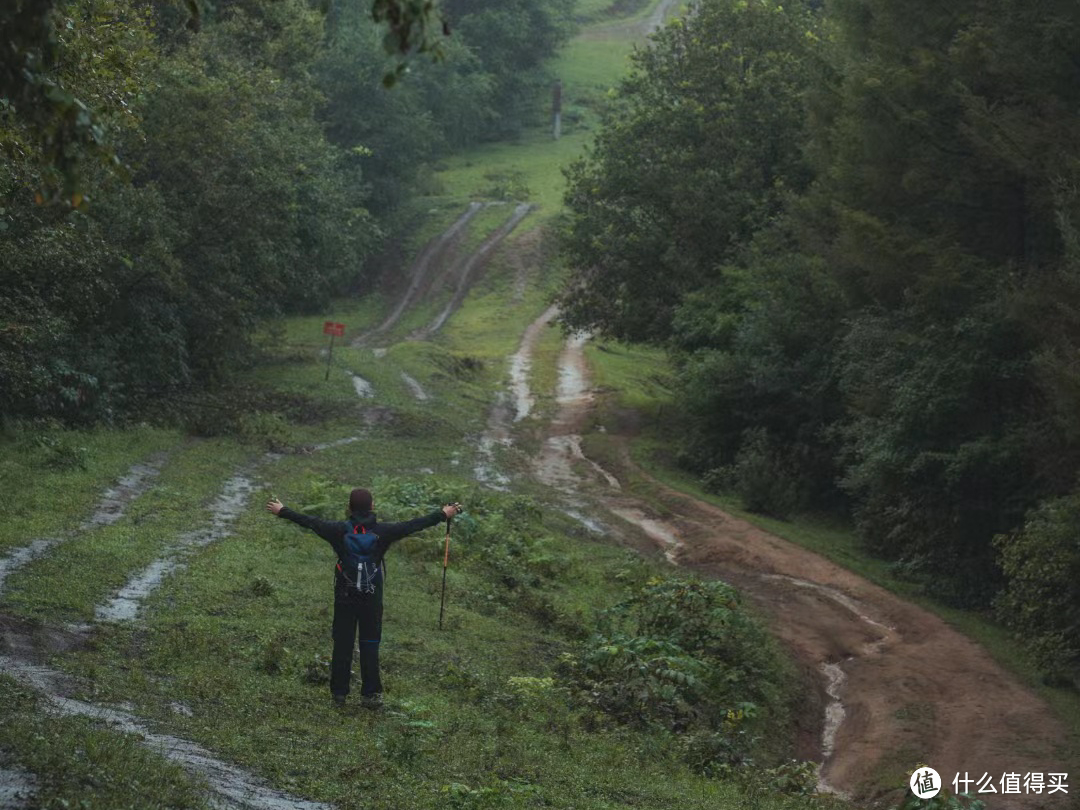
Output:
x=879 y=660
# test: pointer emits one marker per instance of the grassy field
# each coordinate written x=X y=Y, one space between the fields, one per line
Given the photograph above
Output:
x=231 y=651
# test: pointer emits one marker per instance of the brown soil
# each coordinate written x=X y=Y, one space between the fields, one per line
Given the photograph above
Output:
x=908 y=688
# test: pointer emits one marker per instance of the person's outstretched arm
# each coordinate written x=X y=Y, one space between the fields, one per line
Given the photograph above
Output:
x=392 y=532
x=328 y=530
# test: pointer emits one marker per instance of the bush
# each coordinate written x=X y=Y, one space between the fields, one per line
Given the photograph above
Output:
x=685 y=656
x=766 y=477
x=58 y=453
x=1042 y=598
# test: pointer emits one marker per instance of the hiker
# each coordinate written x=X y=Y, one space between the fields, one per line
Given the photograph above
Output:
x=360 y=543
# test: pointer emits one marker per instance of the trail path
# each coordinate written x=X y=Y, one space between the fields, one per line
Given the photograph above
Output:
x=898 y=686
x=439 y=252
x=461 y=273
x=124 y=606
x=634 y=29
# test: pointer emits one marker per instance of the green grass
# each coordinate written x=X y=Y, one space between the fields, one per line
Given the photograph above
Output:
x=51 y=479
x=536 y=156
x=89 y=565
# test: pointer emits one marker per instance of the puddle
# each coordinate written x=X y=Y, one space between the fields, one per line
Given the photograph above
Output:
x=233 y=500
x=835 y=678
x=234 y=788
x=521 y=364
x=17 y=788
x=417 y=390
x=655 y=529
x=112 y=506
x=21 y=556
x=496 y=435
x=839 y=597
x=573 y=386
x=593 y=526
x=364 y=389
x=336 y=443
x=131 y=485
x=485 y=470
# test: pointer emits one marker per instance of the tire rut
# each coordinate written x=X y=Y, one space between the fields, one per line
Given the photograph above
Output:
x=464 y=270
x=233 y=787
x=439 y=251
x=111 y=508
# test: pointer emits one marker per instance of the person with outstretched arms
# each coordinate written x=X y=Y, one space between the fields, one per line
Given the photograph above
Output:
x=360 y=543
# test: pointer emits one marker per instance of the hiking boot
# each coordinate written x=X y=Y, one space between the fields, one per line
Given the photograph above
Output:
x=373 y=701
x=339 y=701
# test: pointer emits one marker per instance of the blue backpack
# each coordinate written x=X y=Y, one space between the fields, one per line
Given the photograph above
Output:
x=360 y=564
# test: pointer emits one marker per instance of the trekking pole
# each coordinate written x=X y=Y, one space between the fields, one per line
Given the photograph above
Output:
x=445 y=562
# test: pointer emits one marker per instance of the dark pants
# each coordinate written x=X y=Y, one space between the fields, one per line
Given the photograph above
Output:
x=350 y=615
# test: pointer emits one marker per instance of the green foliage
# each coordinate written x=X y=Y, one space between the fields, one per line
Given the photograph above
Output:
x=259 y=146
x=697 y=153
x=499 y=794
x=765 y=477
x=945 y=800
x=506 y=185
x=1042 y=600
x=682 y=655
x=60 y=453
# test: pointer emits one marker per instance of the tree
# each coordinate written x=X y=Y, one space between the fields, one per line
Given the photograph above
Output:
x=702 y=146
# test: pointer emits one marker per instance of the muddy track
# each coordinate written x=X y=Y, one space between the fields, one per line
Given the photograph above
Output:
x=23 y=645
x=112 y=506
x=439 y=252
x=897 y=686
x=462 y=272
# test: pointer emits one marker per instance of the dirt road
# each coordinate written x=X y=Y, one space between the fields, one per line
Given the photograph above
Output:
x=898 y=687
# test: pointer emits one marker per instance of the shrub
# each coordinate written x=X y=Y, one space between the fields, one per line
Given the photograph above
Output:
x=685 y=656
x=1042 y=598
x=58 y=453
x=766 y=476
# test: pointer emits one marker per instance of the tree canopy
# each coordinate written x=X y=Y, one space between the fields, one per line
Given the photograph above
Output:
x=173 y=175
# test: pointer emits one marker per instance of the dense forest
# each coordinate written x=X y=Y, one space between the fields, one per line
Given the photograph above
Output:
x=854 y=226
x=173 y=174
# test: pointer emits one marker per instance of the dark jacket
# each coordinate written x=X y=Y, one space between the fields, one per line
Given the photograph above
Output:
x=334 y=531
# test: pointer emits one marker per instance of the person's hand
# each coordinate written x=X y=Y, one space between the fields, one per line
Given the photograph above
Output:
x=451 y=509
x=274 y=506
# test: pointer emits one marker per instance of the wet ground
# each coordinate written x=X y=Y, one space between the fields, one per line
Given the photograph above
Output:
x=895 y=685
